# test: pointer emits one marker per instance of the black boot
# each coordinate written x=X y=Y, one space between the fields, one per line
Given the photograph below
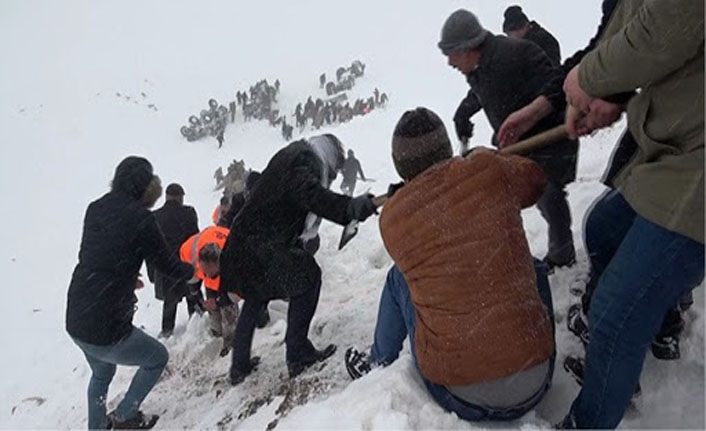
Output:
x=140 y=421
x=297 y=367
x=237 y=376
x=263 y=318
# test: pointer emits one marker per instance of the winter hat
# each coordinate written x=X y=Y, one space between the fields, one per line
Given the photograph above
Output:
x=462 y=30
x=515 y=19
x=132 y=176
x=175 y=189
x=419 y=141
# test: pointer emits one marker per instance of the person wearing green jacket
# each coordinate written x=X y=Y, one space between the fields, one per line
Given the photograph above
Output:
x=648 y=233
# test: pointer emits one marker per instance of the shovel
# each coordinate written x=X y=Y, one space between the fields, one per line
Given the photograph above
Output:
x=540 y=140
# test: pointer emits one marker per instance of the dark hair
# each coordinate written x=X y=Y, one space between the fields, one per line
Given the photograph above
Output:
x=515 y=19
x=225 y=200
x=210 y=253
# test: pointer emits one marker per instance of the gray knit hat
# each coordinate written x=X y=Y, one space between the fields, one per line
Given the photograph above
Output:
x=419 y=141
x=462 y=30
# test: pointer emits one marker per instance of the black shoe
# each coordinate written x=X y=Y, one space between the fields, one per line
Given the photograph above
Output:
x=296 y=368
x=666 y=348
x=237 y=376
x=263 y=319
x=357 y=363
x=552 y=264
x=140 y=421
x=576 y=324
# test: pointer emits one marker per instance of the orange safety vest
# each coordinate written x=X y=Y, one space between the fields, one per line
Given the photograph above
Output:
x=189 y=251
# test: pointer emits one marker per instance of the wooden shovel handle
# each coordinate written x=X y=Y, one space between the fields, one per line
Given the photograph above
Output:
x=539 y=140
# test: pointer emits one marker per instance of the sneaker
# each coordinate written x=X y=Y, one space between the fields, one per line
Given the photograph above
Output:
x=575 y=366
x=140 y=421
x=576 y=324
x=666 y=348
x=357 y=363
x=238 y=376
x=296 y=368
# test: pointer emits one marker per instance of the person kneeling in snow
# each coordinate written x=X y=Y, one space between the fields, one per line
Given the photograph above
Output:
x=265 y=256
x=203 y=250
x=474 y=302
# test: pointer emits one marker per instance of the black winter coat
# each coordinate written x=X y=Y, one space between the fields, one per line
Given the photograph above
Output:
x=178 y=222
x=263 y=257
x=543 y=39
x=510 y=75
x=350 y=171
x=118 y=235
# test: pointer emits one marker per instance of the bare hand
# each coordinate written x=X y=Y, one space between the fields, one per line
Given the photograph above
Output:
x=515 y=125
x=602 y=114
x=575 y=96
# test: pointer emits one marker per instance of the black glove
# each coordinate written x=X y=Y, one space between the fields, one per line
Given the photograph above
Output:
x=392 y=188
x=464 y=129
x=361 y=207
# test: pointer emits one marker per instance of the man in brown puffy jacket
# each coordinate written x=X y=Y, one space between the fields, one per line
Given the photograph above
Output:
x=475 y=304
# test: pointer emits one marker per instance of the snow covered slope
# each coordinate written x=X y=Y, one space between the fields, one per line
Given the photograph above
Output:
x=76 y=82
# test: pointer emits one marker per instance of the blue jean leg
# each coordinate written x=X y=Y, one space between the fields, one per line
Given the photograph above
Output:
x=651 y=269
x=137 y=349
x=607 y=223
x=102 y=375
x=396 y=320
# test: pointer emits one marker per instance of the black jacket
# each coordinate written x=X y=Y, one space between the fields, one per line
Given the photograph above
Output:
x=118 y=235
x=178 y=222
x=510 y=75
x=543 y=39
x=263 y=257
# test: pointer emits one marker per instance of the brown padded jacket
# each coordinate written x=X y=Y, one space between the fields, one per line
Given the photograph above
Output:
x=456 y=233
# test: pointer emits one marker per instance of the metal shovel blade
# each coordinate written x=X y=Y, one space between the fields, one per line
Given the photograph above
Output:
x=348 y=233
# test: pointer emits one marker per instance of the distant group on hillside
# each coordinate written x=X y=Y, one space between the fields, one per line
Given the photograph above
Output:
x=260 y=102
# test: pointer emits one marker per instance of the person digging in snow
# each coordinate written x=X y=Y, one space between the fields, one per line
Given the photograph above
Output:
x=264 y=257
x=464 y=287
x=203 y=251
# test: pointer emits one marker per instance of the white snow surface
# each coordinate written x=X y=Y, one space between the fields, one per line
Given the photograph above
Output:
x=65 y=129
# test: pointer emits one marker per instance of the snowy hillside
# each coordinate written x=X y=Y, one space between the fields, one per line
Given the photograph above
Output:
x=84 y=84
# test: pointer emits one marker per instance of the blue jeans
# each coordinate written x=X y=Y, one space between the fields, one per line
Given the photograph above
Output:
x=643 y=269
x=137 y=349
x=396 y=320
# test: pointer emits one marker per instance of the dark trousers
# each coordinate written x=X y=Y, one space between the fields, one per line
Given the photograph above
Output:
x=301 y=311
x=169 y=310
x=555 y=210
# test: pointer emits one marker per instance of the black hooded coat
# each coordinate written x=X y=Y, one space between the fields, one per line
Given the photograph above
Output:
x=119 y=233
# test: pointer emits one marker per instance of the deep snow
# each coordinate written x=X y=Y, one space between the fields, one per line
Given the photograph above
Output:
x=65 y=129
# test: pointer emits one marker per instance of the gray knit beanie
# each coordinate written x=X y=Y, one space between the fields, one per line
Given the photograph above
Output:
x=462 y=30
